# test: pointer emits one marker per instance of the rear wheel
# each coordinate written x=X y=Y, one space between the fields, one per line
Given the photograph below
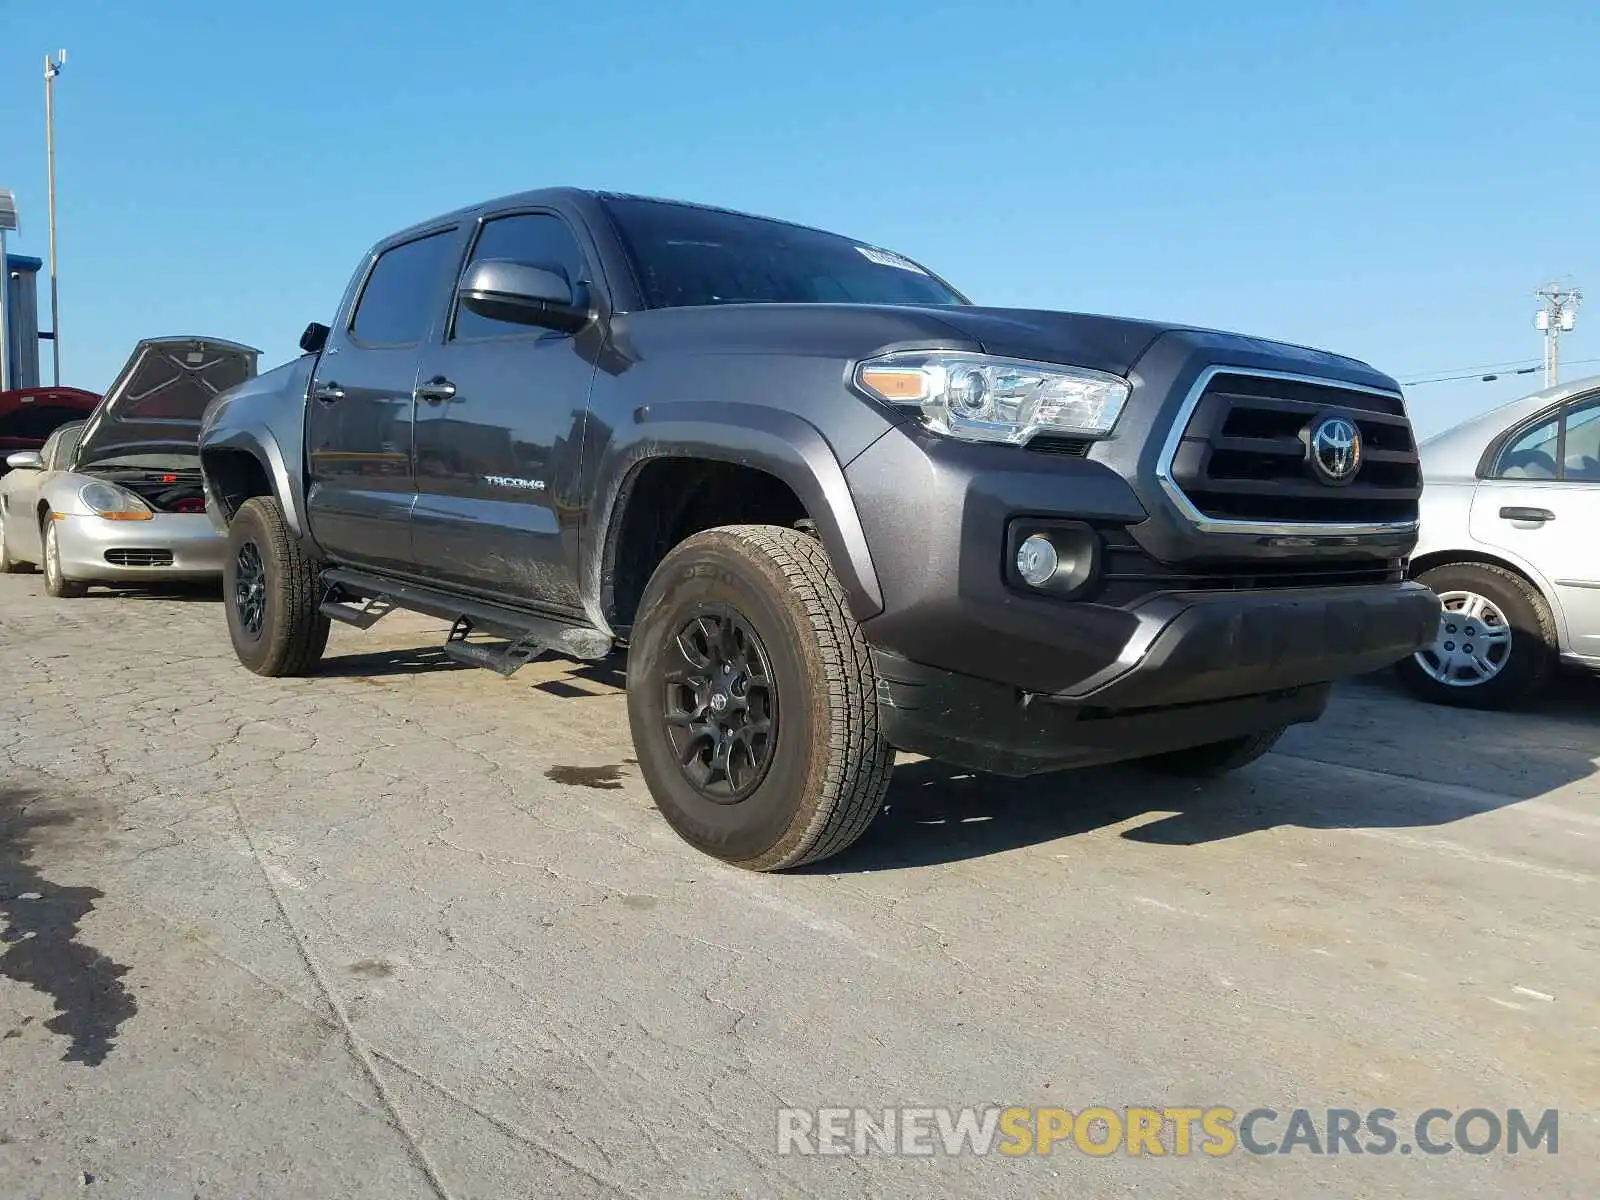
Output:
x=55 y=581
x=9 y=565
x=752 y=700
x=1216 y=758
x=1496 y=646
x=271 y=593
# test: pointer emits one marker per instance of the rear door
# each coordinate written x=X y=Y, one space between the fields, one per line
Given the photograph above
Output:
x=359 y=437
x=1541 y=501
x=497 y=457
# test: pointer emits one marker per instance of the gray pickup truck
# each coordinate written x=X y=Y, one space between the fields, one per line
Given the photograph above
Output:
x=831 y=508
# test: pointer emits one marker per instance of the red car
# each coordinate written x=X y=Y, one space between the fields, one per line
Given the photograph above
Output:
x=29 y=415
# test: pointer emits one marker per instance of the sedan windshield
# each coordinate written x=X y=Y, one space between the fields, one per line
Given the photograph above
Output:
x=686 y=256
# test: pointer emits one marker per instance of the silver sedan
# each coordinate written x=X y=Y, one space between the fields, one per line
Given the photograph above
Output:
x=84 y=530
x=1510 y=541
x=118 y=498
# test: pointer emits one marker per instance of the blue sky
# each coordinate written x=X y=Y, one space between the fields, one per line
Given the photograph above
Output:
x=1390 y=180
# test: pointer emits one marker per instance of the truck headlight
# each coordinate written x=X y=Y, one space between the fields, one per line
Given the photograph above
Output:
x=113 y=503
x=981 y=398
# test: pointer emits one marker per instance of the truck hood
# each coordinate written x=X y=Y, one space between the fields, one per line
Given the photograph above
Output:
x=1113 y=344
x=155 y=404
x=1083 y=339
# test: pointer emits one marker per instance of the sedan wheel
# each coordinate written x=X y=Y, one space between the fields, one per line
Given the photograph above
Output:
x=1474 y=642
x=1496 y=645
x=55 y=581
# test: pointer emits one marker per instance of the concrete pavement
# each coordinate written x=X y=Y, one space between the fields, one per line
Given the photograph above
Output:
x=405 y=929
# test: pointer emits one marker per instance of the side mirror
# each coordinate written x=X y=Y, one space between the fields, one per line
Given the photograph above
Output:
x=314 y=338
x=521 y=294
x=25 y=460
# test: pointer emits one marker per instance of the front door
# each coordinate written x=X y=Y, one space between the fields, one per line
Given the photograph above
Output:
x=21 y=495
x=498 y=430
x=359 y=416
x=1541 y=501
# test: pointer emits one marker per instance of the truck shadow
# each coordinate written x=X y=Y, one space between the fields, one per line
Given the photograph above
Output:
x=41 y=943
x=1378 y=759
x=410 y=660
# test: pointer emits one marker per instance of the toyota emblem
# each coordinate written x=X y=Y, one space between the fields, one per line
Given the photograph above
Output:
x=1334 y=450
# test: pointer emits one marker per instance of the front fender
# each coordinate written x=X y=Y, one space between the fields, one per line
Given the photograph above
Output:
x=771 y=440
x=265 y=418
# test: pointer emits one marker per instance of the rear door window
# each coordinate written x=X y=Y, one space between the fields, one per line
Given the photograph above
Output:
x=1533 y=454
x=1581 y=446
x=402 y=292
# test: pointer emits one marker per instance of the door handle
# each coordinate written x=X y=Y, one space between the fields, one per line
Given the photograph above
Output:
x=328 y=393
x=436 y=390
x=1536 y=515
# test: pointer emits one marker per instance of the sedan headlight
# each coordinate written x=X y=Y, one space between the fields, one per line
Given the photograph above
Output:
x=981 y=398
x=114 y=503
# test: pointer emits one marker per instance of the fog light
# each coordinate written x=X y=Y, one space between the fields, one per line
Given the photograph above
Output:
x=1036 y=561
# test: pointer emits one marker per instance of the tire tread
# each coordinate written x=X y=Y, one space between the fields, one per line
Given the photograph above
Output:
x=297 y=641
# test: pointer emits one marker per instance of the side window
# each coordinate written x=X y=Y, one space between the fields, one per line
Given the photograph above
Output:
x=1531 y=456
x=402 y=292
x=536 y=239
x=1581 y=450
x=47 y=452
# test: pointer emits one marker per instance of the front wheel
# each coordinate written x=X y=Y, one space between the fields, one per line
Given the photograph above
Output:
x=752 y=701
x=56 y=582
x=1216 y=758
x=270 y=591
x=1496 y=646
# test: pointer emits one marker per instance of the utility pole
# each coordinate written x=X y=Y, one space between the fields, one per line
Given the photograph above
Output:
x=8 y=221
x=52 y=68
x=1559 y=315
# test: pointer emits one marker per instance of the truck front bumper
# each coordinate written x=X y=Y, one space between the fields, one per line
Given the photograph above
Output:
x=1199 y=669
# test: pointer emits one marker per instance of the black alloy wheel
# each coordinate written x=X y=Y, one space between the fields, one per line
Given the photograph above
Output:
x=250 y=589
x=720 y=705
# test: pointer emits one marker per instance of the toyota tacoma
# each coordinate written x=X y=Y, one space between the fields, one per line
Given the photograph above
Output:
x=830 y=508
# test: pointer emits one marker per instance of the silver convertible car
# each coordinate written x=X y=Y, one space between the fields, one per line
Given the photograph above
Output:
x=1510 y=541
x=117 y=498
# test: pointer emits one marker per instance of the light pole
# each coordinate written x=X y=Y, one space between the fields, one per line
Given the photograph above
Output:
x=1559 y=315
x=52 y=68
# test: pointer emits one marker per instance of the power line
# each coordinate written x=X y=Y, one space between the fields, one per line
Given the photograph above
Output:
x=1510 y=362
x=1477 y=373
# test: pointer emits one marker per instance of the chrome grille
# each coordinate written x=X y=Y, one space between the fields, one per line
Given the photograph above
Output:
x=1239 y=457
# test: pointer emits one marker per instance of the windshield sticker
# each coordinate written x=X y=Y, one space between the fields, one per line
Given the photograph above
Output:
x=885 y=259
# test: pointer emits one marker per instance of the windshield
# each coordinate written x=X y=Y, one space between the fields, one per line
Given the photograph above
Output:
x=686 y=256
x=66 y=446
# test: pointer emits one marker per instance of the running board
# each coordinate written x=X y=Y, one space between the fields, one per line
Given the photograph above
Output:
x=359 y=599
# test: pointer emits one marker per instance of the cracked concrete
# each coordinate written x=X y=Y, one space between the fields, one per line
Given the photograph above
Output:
x=406 y=930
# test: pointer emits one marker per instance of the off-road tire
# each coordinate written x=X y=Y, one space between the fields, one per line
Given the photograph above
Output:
x=293 y=632
x=1535 y=647
x=55 y=582
x=829 y=766
x=1216 y=758
x=9 y=565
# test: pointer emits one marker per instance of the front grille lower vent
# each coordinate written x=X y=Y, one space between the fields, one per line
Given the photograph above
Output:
x=139 y=558
x=1130 y=574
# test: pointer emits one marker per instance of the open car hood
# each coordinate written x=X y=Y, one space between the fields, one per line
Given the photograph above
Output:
x=155 y=404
